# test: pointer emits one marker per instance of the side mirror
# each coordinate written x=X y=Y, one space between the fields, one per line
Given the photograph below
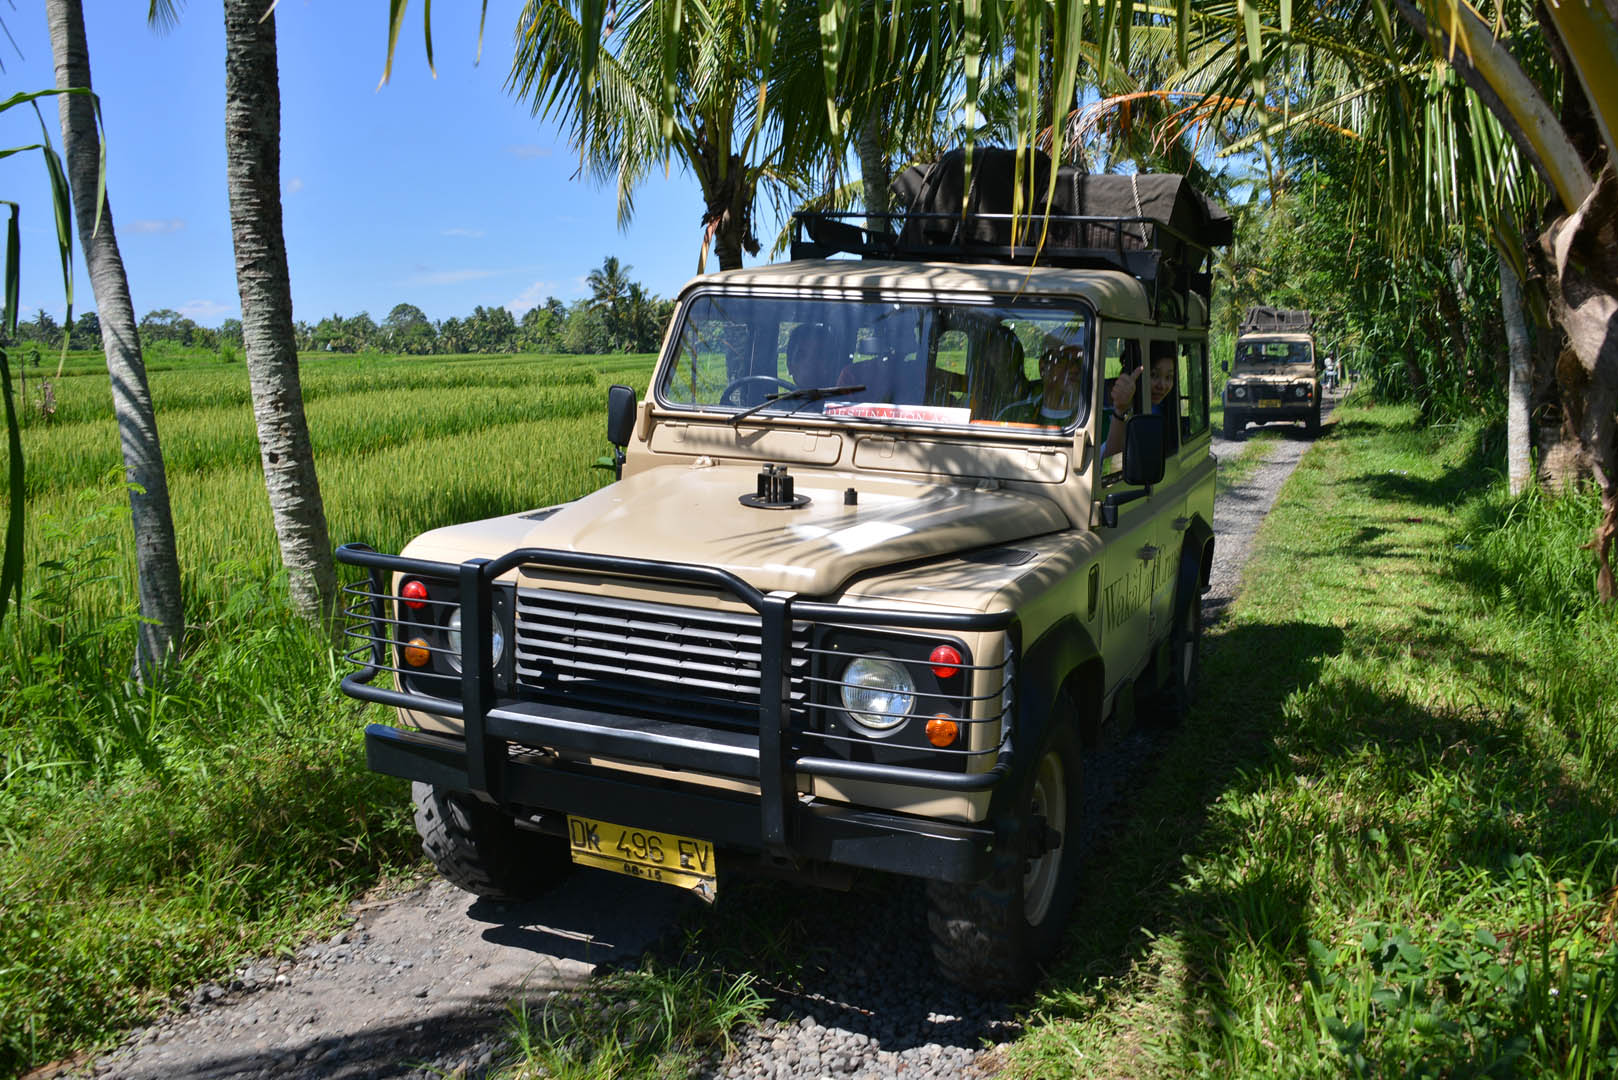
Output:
x=1143 y=450
x=1224 y=365
x=621 y=405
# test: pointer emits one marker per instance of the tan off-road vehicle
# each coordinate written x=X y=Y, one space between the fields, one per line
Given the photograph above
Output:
x=1277 y=375
x=869 y=583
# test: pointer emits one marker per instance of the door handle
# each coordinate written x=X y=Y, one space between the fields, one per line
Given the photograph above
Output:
x=1180 y=523
x=1147 y=553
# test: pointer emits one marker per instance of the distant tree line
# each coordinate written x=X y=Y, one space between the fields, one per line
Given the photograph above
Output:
x=619 y=316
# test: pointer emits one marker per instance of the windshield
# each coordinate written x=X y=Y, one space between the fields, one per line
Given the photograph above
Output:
x=923 y=361
x=1271 y=355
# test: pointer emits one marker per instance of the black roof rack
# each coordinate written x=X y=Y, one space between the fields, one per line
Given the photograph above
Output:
x=1166 y=260
x=1155 y=227
x=1271 y=320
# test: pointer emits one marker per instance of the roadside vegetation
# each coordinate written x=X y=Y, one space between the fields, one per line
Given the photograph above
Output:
x=1384 y=844
x=153 y=837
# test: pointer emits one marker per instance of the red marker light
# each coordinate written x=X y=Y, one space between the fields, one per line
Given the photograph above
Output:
x=946 y=661
x=414 y=593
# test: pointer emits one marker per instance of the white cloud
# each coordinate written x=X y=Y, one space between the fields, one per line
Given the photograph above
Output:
x=292 y=186
x=532 y=296
x=154 y=225
x=450 y=277
x=472 y=233
x=206 y=311
x=528 y=151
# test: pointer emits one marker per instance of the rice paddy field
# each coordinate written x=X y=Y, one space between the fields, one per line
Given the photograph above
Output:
x=150 y=835
x=401 y=443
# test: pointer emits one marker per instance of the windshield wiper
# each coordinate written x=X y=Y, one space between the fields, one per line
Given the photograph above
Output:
x=803 y=395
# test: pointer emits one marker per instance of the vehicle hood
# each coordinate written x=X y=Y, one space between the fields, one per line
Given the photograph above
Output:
x=693 y=515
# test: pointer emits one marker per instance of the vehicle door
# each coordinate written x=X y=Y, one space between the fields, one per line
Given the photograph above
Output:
x=1125 y=609
x=1188 y=482
x=1168 y=498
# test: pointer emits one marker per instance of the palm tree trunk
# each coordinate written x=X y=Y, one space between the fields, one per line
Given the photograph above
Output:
x=874 y=178
x=1520 y=384
x=157 y=562
x=1584 y=297
x=253 y=169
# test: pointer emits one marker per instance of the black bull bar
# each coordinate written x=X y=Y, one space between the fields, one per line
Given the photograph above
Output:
x=483 y=759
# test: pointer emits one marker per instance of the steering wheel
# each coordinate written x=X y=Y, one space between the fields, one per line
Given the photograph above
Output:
x=731 y=395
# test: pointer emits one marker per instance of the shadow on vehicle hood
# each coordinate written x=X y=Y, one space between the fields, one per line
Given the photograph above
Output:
x=695 y=516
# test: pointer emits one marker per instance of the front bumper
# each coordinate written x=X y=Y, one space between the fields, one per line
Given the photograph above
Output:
x=1269 y=407
x=530 y=756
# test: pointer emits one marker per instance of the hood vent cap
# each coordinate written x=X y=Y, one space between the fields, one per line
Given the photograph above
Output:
x=774 y=491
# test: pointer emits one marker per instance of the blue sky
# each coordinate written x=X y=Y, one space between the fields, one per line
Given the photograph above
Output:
x=444 y=193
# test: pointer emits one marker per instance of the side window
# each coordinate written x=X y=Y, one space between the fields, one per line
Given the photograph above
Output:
x=947 y=381
x=1193 y=388
x=1118 y=355
x=1165 y=386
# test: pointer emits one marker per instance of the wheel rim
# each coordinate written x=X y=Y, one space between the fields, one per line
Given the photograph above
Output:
x=1050 y=802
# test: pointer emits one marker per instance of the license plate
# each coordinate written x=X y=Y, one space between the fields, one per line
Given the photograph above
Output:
x=681 y=861
x=1269 y=404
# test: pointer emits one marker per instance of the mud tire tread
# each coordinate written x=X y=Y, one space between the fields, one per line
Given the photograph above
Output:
x=479 y=849
x=980 y=938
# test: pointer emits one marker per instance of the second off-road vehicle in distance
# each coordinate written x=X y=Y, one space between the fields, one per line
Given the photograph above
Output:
x=879 y=566
x=1278 y=371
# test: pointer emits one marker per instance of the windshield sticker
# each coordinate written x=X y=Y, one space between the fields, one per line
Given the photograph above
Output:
x=877 y=410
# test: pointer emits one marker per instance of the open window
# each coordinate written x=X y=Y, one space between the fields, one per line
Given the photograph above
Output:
x=1192 y=389
x=1119 y=355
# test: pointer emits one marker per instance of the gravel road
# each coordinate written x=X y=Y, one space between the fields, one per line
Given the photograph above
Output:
x=417 y=985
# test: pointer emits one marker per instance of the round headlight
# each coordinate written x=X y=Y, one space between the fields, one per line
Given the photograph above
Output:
x=878 y=693
x=1238 y=391
x=1300 y=390
x=452 y=633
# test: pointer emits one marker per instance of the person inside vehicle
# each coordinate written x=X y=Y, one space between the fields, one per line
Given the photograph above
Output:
x=1123 y=400
x=1061 y=388
x=810 y=355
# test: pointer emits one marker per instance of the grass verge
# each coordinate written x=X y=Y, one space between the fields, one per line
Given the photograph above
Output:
x=1384 y=844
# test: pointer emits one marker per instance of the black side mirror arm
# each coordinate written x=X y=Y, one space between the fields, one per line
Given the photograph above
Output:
x=1110 y=505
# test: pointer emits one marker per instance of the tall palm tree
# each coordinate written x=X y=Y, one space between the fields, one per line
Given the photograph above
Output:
x=692 y=81
x=253 y=169
x=157 y=561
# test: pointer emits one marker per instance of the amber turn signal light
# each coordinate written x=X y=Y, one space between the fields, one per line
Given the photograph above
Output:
x=941 y=730
x=417 y=653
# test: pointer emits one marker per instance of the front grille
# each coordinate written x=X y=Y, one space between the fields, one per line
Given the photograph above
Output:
x=657 y=660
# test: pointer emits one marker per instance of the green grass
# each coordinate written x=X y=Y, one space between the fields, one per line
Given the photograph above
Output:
x=151 y=839
x=1384 y=844
x=655 y=1021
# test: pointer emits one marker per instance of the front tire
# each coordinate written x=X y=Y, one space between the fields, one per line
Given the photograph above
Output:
x=480 y=849
x=1234 y=423
x=1312 y=424
x=993 y=937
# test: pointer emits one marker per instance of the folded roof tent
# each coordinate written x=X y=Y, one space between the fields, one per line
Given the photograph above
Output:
x=1154 y=226
x=1270 y=320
